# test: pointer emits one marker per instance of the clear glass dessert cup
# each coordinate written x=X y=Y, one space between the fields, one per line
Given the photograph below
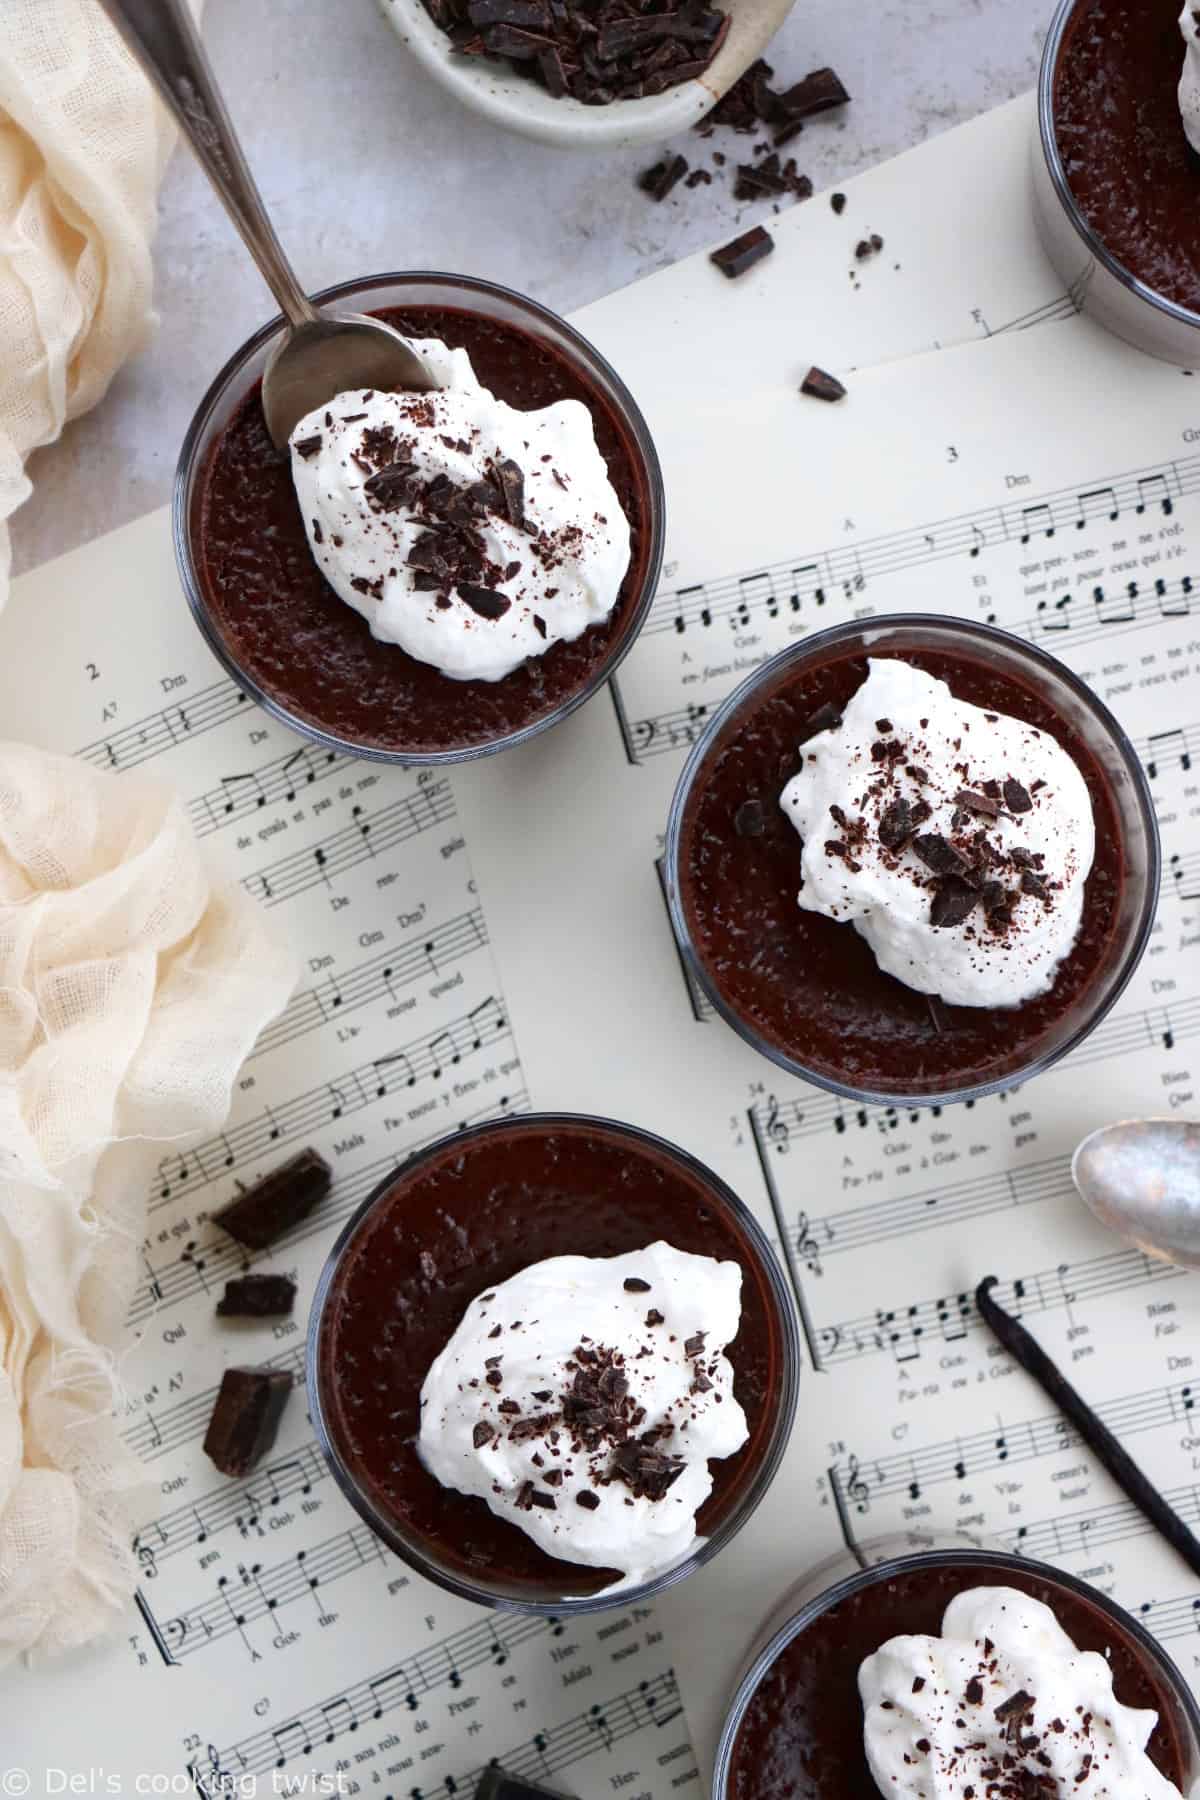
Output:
x=1070 y=699
x=1098 y=283
x=885 y=1560
x=420 y=288
x=756 y=1464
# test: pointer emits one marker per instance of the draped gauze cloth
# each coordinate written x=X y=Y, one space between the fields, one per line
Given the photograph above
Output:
x=83 y=143
x=132 y=985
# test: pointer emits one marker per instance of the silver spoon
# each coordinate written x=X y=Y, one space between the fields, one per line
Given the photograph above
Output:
x=1141 y=1178
x=319 y=355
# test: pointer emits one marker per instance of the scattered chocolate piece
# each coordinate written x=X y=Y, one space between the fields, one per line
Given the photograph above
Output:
x=258 y=1297
x=245 y=1418
x=658 y=180
x=694 y=1346
x=646 y=1471
x=838 y=203
x=939 y=854
x=390 y=488
x=486 y=602
x=482 y=1434
x=821 y=385
x=974 y=1690
x=540 y=1497
x=953 y=902
x=815 y=94
x=308 y=446
x=733 y=259
x=654 y=1317
x=587 y=1499
x=994 y=895
x=524 y=1500
x=750 y=819
x=1016 y=797
x=277 y=1202
x=980 y=803
x=897 y=824
x=918 y=1683
x=633 y=1284
x=826 y=718
x=769 y=179
x=539 y=624
x=1035 y=885
x=512 y=489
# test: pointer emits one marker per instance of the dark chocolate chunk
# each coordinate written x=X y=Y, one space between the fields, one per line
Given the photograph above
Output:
x=885 y=727
x=524 y=1500
x=540 y=1497
x=539 y=624
x=838 y=203
x=373 y=589
x=587 y=1499
x=918 y=1683
x=822 y=386
x=897 y=824
x=633 y=1284
x=654 y=1317
x=750 y=819
x=482 y=1434
x=953 y=902
x=530 y=15
x=939 y=854
x=258 y=1297
x=658 y=180
x=245 y=1418
x=318 y=534
x=512 y=487
x=694 y=1346
x=391 y=488
x=741 y=253
x=974 y=1690
x=308 y=446
x=819 y=91
x=826 y=718
x=277 y=1202
x=980 y=803
x=994 y=895
x=1034 y=884
x=1024 y=859
x=484 y=601
x=1016 y=798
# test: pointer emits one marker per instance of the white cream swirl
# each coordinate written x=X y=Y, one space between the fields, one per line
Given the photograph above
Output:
x=1189 y=80
x=469 y=533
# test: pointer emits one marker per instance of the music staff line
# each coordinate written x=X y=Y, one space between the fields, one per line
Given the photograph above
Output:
x=426 y=955
x=240 y=1505
x=257 y=1592
x=156 y=1434
x=850 y=568
x=1083 y=1533
x=283 y=779
x=368 y=836
x=908 y=1474
x=949 y=1318
x=491 y=1643
x=160 y=731
x=783 y=1122
x=1134 y=608
x=654 y=1701
x=425 y=1058
x=206 y=1263
x=880 y=1218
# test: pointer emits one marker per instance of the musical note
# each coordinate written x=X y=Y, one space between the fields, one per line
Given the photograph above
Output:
x=1096 y=503
x=1037 y=517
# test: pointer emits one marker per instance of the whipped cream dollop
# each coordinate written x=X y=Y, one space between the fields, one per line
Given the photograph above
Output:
x=469 y=533
x=956 y=841
x=1189 y=80
x=582 y=1399
x=1003 y=1693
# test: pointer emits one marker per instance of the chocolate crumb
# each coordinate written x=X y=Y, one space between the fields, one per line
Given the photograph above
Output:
x=482 y=1434
x=953 y=902
x=308 y=446
x=654 y=1317
x=821 y=385
x=658 y=180
x=1016 y=798
x=587 y=1499
x=741 y=253
x=633 y=1284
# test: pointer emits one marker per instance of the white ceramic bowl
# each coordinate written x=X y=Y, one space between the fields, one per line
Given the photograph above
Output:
x=509 y=99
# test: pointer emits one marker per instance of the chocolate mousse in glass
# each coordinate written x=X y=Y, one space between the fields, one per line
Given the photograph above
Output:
x=807 y=989
x=248 y=555
x=432 y=1248
x=795 y=1729
x=1116 y=180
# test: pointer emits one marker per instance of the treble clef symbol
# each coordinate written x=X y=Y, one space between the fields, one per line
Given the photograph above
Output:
x=777 y=1130
x=807 y=1245
x=857 y=1490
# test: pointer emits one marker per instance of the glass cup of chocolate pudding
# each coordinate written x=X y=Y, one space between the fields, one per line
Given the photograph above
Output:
x=1116 y=180
x=434 y=1246
x=247 y=555
x=805 y=988
x=795 y=1728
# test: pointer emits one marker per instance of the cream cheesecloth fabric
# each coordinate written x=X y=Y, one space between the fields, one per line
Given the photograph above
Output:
x=132 y=985
x=82 y=146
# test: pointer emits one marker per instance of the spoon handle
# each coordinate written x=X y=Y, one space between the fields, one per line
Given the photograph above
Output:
x=163 y=39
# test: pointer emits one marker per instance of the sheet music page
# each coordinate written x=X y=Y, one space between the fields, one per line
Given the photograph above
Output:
x=1048 y=481
x=275 y=1646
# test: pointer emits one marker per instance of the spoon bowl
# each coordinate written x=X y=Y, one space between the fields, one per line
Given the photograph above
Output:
x=320 y=355
x=1141 y=1178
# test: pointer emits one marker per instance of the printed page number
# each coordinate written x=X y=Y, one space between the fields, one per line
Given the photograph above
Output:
x=951 y=453
x=93 y=673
